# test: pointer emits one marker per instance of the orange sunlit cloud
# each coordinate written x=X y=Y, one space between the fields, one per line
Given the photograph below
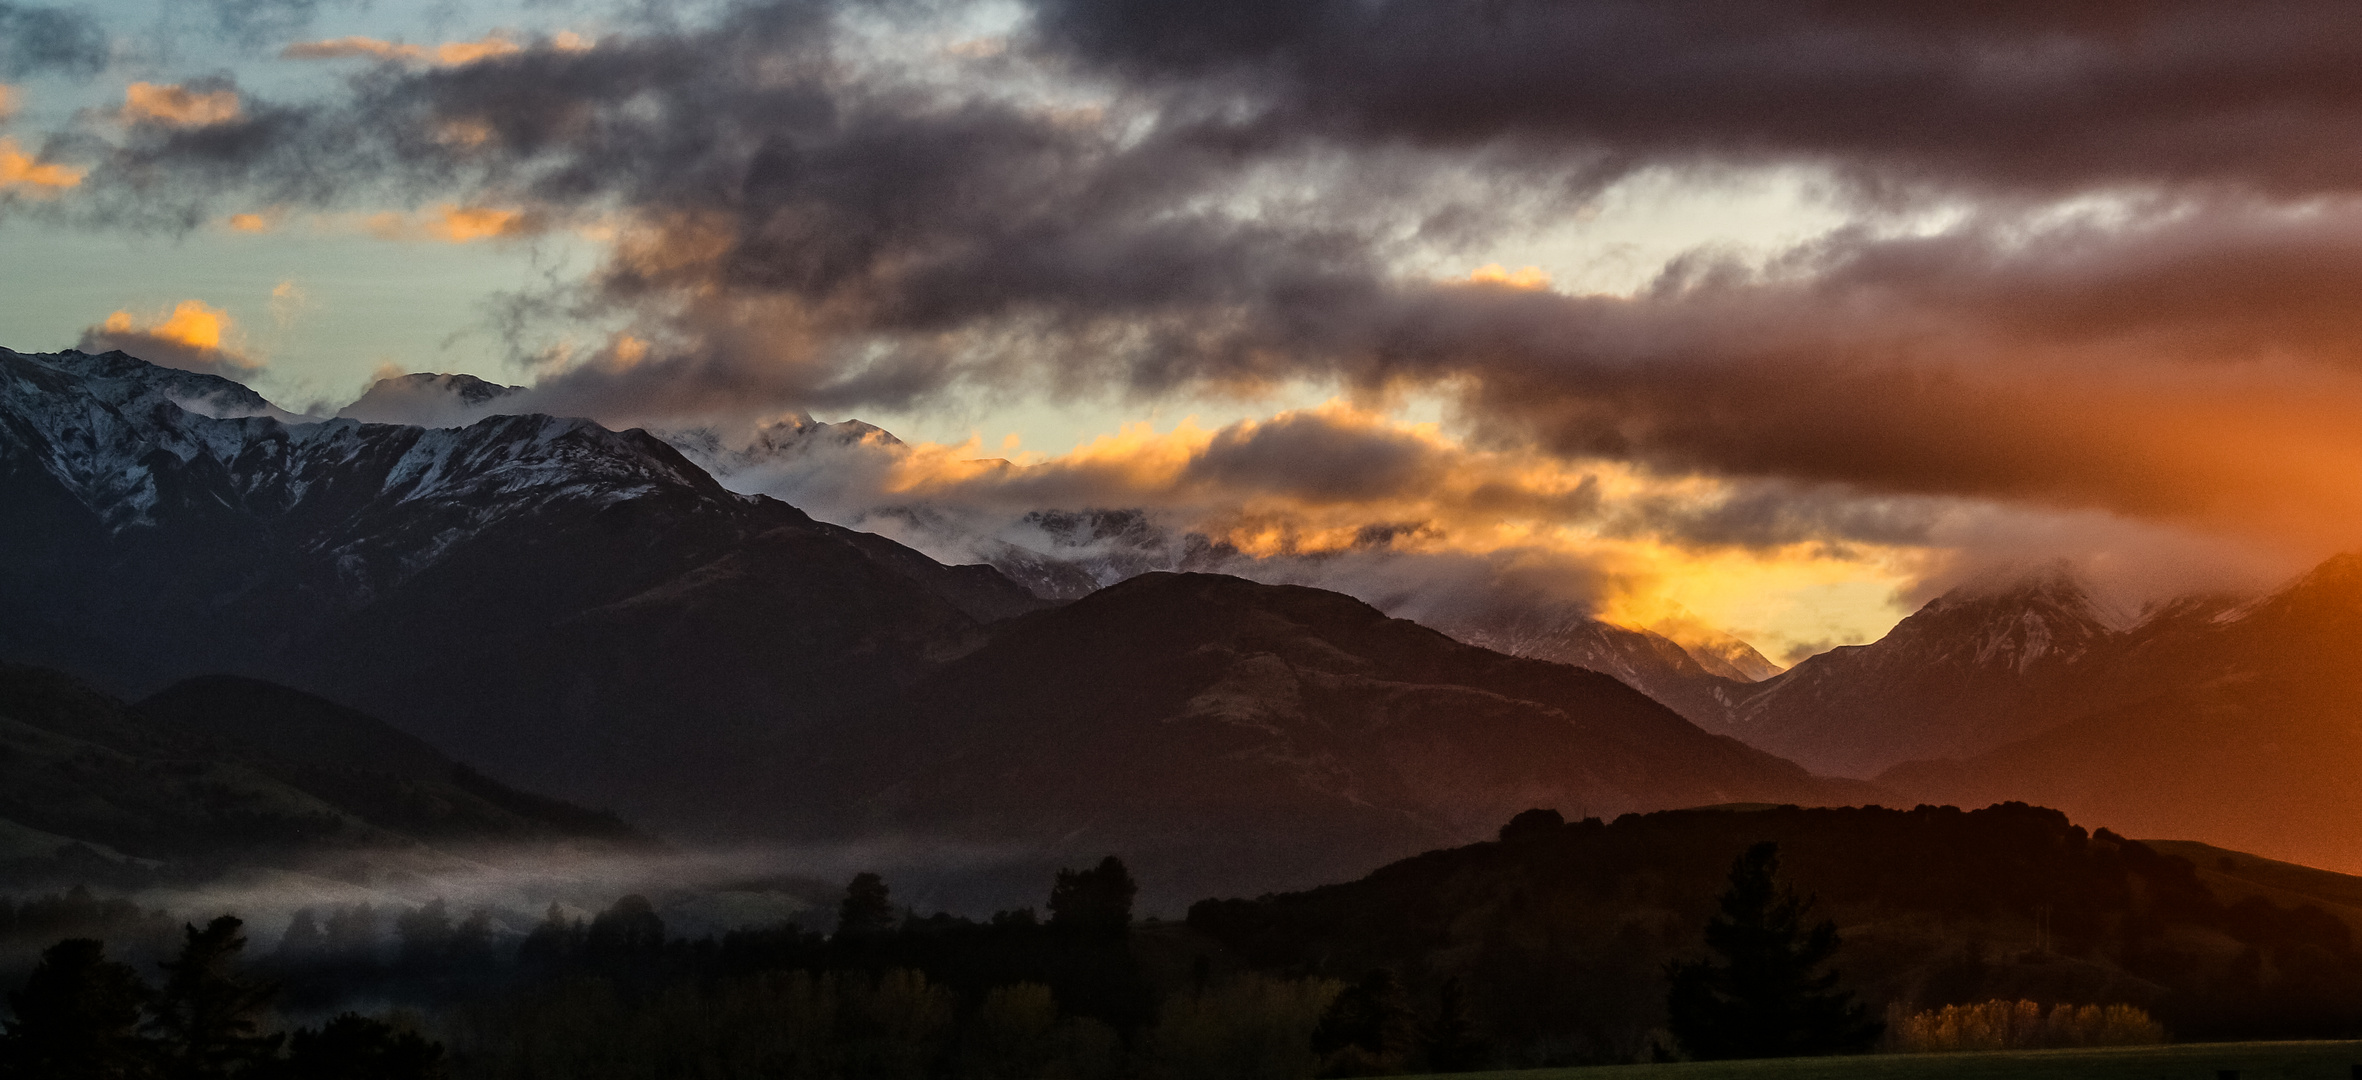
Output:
x=1524 y=277
x=194 y=336
x=1361 y=492
x=265 y=220
x=451 y=223
x=178 y=106
x=21 y=170
x=447 y=54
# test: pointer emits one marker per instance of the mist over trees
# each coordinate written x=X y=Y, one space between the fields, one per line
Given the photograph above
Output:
x=1561 y=943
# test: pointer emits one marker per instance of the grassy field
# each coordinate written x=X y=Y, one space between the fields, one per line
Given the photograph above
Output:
x=2190 y=1061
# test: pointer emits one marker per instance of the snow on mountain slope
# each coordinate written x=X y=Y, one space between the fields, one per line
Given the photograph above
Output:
x=2218 y=720
x=573 y=590
x=1977 y=667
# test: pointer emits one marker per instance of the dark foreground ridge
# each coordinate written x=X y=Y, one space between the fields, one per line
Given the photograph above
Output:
x=1561 y=932
x=221 y=772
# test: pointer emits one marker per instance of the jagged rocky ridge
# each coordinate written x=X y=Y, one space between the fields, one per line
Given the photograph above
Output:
x=575 y=608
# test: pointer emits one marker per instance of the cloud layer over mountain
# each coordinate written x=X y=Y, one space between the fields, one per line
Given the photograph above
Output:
x=2095 y=285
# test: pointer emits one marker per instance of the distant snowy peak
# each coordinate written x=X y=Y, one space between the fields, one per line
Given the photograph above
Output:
x=751 y=462
x=126 y=383
x=430 y=400
x=131 y=440
x=2047 y=617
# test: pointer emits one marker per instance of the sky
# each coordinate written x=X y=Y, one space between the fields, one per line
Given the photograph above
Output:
x=1779 y=318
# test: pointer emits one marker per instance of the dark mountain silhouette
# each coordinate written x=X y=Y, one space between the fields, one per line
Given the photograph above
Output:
x=2231 y=724
x=1232 y=734
x=230 y=769
x=1562 y=932
x=571 y=607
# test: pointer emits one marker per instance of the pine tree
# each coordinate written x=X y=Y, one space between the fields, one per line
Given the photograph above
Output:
x=1765 y=993
x=866 y=908
x=77 y=1018
x=208 y=1017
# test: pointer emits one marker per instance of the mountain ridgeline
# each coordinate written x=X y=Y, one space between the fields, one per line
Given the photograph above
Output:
x=585 y=612
x=226 y=771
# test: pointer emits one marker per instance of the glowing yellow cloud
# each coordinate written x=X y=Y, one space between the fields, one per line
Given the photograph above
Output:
x=259 y=221
x=177 y=106
x=450 y=223
x=1524 y=277
x=21 y=170
x=193 y=323
x=1339 y=478
x=195 y=336
x=448 y=54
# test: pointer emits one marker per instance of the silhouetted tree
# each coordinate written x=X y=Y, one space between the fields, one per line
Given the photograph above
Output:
x=626 y=941
x=866 y=908
x=352 y=935
x=1096 y=899
x=554 y=944
x=1533 y=823
x=302 y=940
x=209 y=1017
x=354 y=1047
x=1368 y=1030
x=426 y=936
x=1765 y=995
x=1453 y=1043
x=78 y=1017
x=471 y=942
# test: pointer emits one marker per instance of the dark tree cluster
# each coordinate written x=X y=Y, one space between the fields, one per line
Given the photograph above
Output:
x=1563 y=933
x=1767 y=991
x=82 y=1015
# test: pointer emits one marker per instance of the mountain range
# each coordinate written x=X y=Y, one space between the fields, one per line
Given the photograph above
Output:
x=588 y=613
x=594 y=614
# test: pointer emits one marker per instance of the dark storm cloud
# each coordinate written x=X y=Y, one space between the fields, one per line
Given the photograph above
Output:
x=1225 y=212
x=1311 y=456
x=35 y=40
x=2043 y=97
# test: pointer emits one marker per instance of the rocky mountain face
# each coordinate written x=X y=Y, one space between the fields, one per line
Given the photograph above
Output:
x=575 y=608
x=1171 y=713
x=2231 y=723
x=1976 y=668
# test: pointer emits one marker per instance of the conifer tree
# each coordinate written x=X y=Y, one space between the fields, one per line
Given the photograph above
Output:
x=77 y=1018
x=1765 y=993
x=866 y=908
x=209 y=1017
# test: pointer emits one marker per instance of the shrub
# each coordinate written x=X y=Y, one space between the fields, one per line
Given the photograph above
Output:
x=2018 y=1025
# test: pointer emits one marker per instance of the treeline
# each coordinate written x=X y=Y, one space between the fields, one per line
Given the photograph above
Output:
x=1075 y=991
x=80 y=1014
x=1695 y=933
x=1564 y=932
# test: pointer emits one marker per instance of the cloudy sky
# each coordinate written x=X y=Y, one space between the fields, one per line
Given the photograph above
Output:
x=1784 y=315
